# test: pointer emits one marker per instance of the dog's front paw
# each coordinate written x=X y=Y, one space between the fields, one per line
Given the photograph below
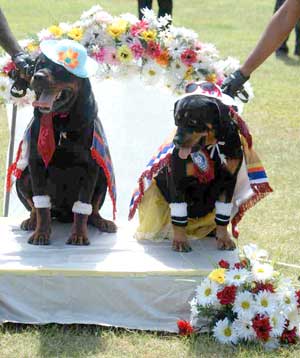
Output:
x=39 y=238
x=180 y=242
x=29 y=224
x=78 y=239
x=102 y=224
x=224 y=240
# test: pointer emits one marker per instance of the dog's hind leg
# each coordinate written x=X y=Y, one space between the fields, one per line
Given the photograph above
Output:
x=95 y=219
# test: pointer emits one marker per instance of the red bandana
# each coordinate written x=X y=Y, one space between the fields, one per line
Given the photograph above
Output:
x=46 y=141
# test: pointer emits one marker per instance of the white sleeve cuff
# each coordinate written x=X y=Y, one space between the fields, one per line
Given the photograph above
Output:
x=223 y=208
x=82 y=208
x=178 y=209
x=41 y=201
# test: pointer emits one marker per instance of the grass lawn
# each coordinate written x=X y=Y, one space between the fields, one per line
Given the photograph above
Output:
x=273 y=116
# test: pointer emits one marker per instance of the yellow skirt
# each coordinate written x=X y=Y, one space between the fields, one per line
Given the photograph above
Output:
x=155 y=220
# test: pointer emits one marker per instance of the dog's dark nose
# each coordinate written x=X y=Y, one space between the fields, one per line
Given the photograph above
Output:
x=179 y=137
x=40 y=76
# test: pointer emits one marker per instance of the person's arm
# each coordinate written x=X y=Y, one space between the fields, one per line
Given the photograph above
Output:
x=276 y=31
x=281 y=24
x=7 y=39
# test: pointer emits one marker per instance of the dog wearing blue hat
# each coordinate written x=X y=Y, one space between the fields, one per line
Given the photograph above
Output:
x=63 y=167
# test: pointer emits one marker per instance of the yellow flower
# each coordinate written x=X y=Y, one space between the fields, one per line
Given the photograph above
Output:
x=32 y=46
x=124 y=54
x=149 y=35
x=56 y=30
x=212 y=77
x=117 y=28
x=217 y=275
x=76 y=33
x=188 y=74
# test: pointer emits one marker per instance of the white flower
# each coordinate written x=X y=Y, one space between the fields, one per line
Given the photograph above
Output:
x=224 y=332
x=287 y=299
x=237 y=277
x=206 y=292
x=262 y=272
x=152 y=72
x=92 y=11
x=132 y=19
x=65 y=27
x=277 y=321
x=164 y=21
x=176 y=47
x=294 y=320
x=187 y=34
x=5 y=85
x=243 y=329
x=253 y=254
x=266 y=302
x=244 y=305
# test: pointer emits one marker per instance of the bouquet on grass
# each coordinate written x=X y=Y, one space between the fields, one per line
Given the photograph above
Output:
x=248 y=301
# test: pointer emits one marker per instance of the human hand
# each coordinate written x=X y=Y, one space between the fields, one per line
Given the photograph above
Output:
x=24 y=63
x=233 y=85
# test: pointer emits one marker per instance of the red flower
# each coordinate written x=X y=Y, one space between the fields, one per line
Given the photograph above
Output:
x=227 y=295
x=224 y=264
x=289 y=336
x=241 y=264
x=259 y=286
x=184 y=328
x=153 y=49
x=188 y=57
x=262 y=327
x=298 y=298
x=9 y=66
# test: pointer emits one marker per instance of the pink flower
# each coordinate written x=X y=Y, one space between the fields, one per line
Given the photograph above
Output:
x=153 y=49
x=99 y=56
x=137 y=50
x=110 y=56
x=198 y=46
x=188 y=57
x=8 y=67
x=103 y=16
x=139 y=27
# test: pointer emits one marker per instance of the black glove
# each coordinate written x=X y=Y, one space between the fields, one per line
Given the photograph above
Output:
x=22 y=75
x=233 y=86
x=24 y=63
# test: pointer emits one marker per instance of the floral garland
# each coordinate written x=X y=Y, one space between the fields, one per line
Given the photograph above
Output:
x=123 y=46
x=247 y=302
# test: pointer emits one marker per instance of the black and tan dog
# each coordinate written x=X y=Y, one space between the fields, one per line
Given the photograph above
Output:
x=194 y=175
x=62 y=179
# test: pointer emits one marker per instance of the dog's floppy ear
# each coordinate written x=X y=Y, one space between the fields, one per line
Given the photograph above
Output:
x=85 y=105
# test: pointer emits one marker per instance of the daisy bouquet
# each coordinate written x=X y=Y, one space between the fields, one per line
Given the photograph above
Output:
x=248 y=301
x=124 y=45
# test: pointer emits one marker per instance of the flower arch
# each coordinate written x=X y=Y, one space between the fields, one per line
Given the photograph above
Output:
x=124 y=46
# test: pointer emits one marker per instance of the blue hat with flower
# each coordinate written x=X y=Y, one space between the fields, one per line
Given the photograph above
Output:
x=71 y=55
